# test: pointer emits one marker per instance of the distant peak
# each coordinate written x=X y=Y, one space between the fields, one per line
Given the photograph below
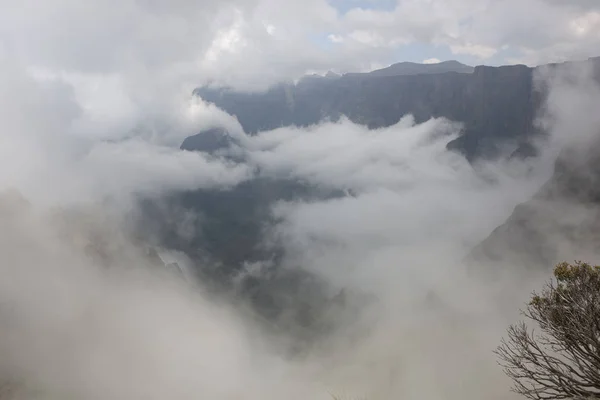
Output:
x=452 y=62
x=432 y=64
x=413 y=68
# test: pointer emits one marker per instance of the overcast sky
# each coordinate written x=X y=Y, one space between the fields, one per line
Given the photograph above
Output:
x=118 y=69
x=95 y=100
x=267 y=40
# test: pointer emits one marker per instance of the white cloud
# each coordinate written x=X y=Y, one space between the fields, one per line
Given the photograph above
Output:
x=398 y=176
x=431 y=61
x=336 y=38
x=83 y=137
x=411 y=213
x=127 y=332
x=188 y=43
x=482 y=52
x=349 y=156
x=96 y=99
x=586 y=24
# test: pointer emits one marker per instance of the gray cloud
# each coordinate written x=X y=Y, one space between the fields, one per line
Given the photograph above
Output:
x=253 y=43
x=71 y=328
x=60 y=143
x=95 y=100
x=407 y=191
x=412 y=213
x=532 y=32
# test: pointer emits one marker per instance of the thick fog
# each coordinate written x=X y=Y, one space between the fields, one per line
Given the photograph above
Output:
x=78 y=325
x=92 y=122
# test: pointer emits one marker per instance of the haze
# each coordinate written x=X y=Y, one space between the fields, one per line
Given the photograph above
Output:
x=97 y=98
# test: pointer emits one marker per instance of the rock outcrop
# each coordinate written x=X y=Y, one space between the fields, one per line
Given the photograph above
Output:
x=496 y=104
x=209 y=141
x=560 y=223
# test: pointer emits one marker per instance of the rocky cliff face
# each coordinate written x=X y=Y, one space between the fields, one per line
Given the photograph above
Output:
x=209 y=141
x=496 y=105
x=560 y=223
x=223 y=233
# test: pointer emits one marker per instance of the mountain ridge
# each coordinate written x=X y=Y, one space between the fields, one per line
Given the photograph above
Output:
x=497 y=105
x=412 y=68
x=560 y=222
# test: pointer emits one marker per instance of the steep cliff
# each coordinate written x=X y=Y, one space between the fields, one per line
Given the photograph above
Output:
x=496 y=105
x=498 y=108
x=560 y=223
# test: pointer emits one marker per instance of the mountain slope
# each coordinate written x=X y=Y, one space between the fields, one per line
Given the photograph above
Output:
x=498 y=107
x=496 y=104
x=561 y=222
x=410 y=68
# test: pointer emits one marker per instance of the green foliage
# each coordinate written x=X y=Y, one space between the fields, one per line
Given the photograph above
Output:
x=563 y=362
x=565 y=272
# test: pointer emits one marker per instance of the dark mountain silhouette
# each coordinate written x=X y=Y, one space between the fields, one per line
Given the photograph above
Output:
x=410 y=68
x=401 y=69
x=225 y=229
x=559 y=223
x=496 y=104
x=209 y=141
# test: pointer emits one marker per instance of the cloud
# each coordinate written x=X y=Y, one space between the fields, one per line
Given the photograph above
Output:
x=569 y=114
x=75 y=329
x=78 y=138
x=143 y=168
x=132 y=331
x=346 y=155
x=335 y=38
x=482 y=52
x=431 y=61
x=88 y=313
x=96 y=99
x=69 y=142
x=190 y=43
x=396 y=177
x=411 y=213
